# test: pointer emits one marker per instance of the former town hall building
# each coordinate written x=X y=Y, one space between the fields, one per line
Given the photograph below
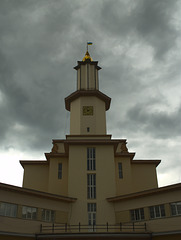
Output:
x=90 y=185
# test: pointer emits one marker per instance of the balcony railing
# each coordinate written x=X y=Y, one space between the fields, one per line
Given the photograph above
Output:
x=80 y=228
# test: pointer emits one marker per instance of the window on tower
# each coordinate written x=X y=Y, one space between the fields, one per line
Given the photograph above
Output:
x=91 y=159
x=91 y=186
x=120 y=170
x=60 y=171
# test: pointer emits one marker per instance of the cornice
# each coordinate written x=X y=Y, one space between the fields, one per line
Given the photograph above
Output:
x=22 y=190
x=145 y=193
x=84 y=93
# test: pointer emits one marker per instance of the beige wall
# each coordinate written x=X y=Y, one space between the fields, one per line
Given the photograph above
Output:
x=86 y=75
x=55 y=185
x=136 y=177
x=80 y=122
x=105 y=183
x=36 y=177
x=123 y=185
x=143 y=177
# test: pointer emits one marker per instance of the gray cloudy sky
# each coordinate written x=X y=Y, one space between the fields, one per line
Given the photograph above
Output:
x=138 y=46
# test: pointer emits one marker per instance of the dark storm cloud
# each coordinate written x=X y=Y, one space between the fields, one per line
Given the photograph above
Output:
x=159 y=124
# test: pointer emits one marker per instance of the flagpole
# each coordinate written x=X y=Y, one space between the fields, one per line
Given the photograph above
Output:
x=88 y=43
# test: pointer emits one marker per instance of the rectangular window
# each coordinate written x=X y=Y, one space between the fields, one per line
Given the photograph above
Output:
x=91 y=207
x=60 y=171
x=29 y=212
x=157 y=211
x=91 y=159
x=91 y=186
x=175 y=208
x=8 y=209
x=48 y=215
x=137 y=214
x=120 y=169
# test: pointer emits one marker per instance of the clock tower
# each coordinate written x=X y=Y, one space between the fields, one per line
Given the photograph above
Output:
x=87 y=105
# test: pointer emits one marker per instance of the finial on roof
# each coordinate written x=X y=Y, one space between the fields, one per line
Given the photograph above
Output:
x=87 y=55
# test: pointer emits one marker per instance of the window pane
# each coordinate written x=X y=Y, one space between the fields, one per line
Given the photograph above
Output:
x=142 y=213
x=8 y=209
x=137 y=214
x=60 y=171
x=179 y=208
x=29 y=212
x=162 y=210
x=91 y=165
x=91 y=186
x=120 y=170
x=152 y=215
x=157 y=211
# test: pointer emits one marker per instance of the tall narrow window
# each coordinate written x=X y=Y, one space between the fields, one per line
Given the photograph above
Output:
x=120 y=169
x=91 y=159
x=91 y=186
x=8 y=209
x=60 y=171
x=91 y=208
x=175 y=208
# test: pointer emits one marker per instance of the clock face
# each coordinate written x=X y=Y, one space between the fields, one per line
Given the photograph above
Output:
x=87 y=110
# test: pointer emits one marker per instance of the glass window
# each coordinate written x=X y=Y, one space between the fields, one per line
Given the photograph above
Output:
x=91 y=159
x=137 y=214
x=48 y=215
x=60 y=171
x=91 y=186
x=91 y=207
x=8 y=209
x=120 y=169
x=175 y=208
x=29 y=212
x=157 y=211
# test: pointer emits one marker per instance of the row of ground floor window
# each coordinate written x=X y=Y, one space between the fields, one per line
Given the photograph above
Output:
x=26 y=212
x=151 y=212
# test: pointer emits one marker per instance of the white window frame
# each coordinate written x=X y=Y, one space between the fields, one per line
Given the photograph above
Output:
x=157 y=211
x=8 y=209
x=91 y=186
x=91 y=159
x=137 y=214
x=48 y=215
x=91 y=208
x=29 y=212
x=175 y=208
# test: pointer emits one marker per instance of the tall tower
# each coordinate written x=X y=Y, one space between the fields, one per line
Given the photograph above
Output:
x=87 y=105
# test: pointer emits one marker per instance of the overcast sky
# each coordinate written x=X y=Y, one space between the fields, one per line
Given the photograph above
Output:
x=138 y=46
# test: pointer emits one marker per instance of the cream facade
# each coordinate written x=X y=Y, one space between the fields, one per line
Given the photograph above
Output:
x=89 y=179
